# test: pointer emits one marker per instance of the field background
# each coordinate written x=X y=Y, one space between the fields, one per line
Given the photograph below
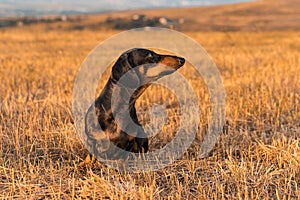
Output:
x=257 y=157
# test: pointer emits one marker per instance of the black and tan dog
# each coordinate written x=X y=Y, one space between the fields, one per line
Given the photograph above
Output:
x=146 y=66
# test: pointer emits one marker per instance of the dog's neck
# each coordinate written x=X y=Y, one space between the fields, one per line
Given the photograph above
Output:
x=104 y=101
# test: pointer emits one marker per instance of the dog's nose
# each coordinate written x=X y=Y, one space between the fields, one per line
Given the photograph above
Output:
x=181 y=60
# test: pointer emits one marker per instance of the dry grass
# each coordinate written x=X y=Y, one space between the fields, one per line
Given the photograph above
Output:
x=258 y=155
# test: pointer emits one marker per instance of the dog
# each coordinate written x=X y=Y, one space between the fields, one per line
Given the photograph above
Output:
x=145 y=66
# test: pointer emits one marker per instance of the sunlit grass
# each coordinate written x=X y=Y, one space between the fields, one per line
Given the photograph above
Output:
x=257 y=156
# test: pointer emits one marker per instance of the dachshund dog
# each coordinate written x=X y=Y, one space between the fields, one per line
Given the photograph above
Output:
x=101 y=127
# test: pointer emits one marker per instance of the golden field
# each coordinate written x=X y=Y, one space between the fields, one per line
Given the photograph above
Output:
x=257 y=156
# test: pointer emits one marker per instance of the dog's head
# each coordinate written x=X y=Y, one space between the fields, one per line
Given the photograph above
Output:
x=146 y=64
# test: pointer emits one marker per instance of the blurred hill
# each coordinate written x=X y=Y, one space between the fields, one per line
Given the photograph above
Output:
x=265 y=15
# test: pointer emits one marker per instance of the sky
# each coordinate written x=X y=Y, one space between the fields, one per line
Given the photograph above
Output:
x=46 y=7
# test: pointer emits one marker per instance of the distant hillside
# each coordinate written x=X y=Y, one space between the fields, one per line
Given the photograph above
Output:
x=265 y=15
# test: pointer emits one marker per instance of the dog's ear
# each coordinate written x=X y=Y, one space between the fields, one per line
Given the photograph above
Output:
x=130 y=60
x=125 y=71
x=120 y=67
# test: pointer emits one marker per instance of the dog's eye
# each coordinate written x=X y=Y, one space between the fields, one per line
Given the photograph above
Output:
x=149 y=55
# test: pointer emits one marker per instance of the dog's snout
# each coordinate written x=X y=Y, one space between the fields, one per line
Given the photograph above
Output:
x=181 y=61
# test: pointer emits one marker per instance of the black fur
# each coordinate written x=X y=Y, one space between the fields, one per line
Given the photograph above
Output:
x=131 y=59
